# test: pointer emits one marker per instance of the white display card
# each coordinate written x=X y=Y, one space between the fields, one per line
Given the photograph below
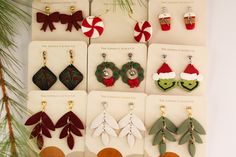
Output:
x=118 y=54
x=176 y=112
x=63 y=7
x=178 y=33
x=177 y=59
x=118 y=26
x=57 y=106
x=58 y=58
x=118 y=107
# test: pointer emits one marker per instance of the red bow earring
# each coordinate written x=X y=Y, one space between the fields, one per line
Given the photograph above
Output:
x=73 y=19
x=48 y=19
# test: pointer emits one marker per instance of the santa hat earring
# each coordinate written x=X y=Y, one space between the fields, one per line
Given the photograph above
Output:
x=164 y=77
x=190 y=78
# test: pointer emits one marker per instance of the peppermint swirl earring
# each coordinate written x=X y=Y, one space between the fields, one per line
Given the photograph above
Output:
x=107 y=73
x=44 y=78
x=190 y=78
x=71 y=77
x=164 y=77
x=132 y=73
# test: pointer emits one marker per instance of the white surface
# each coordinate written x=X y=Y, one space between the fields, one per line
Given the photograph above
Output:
x=221 y=91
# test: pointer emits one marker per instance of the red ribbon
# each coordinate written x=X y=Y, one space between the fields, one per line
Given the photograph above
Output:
x=72 y=20
x=48 y=20
x=133 y=83
x=109 y=82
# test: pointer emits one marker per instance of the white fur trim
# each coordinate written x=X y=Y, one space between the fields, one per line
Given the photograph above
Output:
x=190 y=14
x=189 y=77
x=169 y=75
x=164 y=15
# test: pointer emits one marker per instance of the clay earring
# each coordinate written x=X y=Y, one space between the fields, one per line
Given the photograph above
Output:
x=131 y=126
x=104 y=125
x=71 y=125
x=165 y=19
x=44 y=78
x=164 y=77
x=191 y=130
x=107 y=73
x=48 y=19
x=73 y=19
x=190 y=78
x=163 y=129
x=42 y=124
x=71 y=77
x=132 y=73
x=190 y=19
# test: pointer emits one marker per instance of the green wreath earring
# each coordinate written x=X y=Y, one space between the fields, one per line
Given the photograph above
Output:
x=132 y=73
x=107 y=73
x=191 y=130
x=164 y=77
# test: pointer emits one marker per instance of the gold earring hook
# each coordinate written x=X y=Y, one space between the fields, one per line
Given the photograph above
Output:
x=43 y=104
x=71 y=57
x=105 y=105
x=190 y=111
x=72 y=9
x=44 y=58
x=162 y=109
x=70 y=104
x=104 y=56
x=131 y=106
x=130 y=55
x=47 y=10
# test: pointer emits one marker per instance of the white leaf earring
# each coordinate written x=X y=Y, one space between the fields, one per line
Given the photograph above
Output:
x=104 y=125
x=131 y=126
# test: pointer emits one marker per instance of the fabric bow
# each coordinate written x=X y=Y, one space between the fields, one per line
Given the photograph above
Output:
x=48 y=20
x=72 y=20
x=133 y=83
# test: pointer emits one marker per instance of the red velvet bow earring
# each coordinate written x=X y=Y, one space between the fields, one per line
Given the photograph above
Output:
x=73 y=19
x=48 y=19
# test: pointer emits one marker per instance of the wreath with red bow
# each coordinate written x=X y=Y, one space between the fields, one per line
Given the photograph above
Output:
x=100 y=73
x=135 y=82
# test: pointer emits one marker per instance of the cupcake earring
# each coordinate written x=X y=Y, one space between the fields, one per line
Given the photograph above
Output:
x=132 y=73
x=164 y=77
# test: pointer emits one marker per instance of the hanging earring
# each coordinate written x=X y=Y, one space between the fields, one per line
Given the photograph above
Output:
x=71 y=125
x=190 y=19
x=163 y=129
x=132 y=73
x=42 y=124
x=104 y=125
x=190 y=78
x=165 y=19
x=165 y=77
x=93 y=26
x=71 y=77
x=44 y=78
x=142 y=30
x=107 y=73
x=48 y=19
x=131 y=126
x=191 y=130
x=73 y=19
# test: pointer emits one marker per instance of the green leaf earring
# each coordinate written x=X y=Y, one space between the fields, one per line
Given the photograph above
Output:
x=191 y=130
x=164 y=77
x=163 y=129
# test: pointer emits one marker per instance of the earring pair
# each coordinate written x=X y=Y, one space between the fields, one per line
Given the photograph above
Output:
x=105 y=125
x=70 y=123
x=164 y=130
x=48 y=19
x=131 y=73
x=165 y=77
x=70 y=76
x=165 y=19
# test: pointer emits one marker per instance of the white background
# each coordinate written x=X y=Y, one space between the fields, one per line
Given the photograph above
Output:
x=222 y=84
